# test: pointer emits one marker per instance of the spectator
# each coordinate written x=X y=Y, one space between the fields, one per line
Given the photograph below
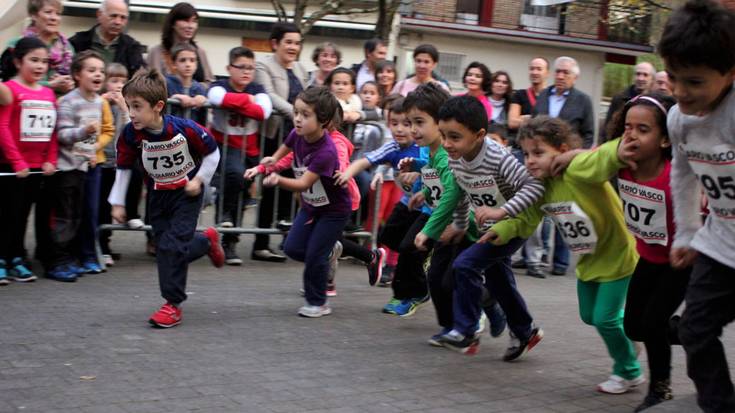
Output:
x=385 y=72
x=524 y=100
x=563 y=100
x=283 y=78
x=180 y=26
x=477 y=80
x=108 y=39
x=425 y=59
x=644 y=74
x=326 y=57
x=662 y=84
x=182 y=87
x=500 y=97
x=45 y=24
x=375 y=51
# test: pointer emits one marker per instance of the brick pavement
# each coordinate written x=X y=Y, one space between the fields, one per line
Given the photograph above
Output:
x=86 y=347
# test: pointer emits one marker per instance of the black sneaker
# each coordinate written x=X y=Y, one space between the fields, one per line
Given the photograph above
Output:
x=519 y=264
x=659 y=392
x=386 y=279
x=226 y=221
x=375 y=267
x=518 y=348
x=231 y=257
x=535 y=272
x=267 y=255
x=284 y=225
x=559 y=271
x=454 y=340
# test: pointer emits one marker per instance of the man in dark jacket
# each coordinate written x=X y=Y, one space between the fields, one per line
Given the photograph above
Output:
x=107 y=37
x=644 y=74
x=375 y=51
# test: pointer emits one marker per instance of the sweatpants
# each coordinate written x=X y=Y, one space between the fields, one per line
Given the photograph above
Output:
x=441 y=279
x=87 y=235
x=601 y=306
x=654 y=293
x=409 y=277
x=310 y=241
x=66 y=216
x=174 y=215
x=709 y=307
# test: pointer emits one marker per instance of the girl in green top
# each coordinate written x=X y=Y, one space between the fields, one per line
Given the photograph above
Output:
x=589 y=216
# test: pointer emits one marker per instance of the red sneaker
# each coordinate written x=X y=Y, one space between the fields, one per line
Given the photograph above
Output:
x=167 y=316
x=216 y=253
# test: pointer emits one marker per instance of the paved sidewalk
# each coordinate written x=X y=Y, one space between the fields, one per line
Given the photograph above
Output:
x=87 y=347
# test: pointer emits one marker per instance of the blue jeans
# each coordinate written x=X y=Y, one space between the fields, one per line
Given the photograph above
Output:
x=499 y=281
x=310 y=241
x=561 y=252
x=90 y=215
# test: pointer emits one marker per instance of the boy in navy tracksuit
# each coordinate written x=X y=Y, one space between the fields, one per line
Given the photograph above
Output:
x=179 y=157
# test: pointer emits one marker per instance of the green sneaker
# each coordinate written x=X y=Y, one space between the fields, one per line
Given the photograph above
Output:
x=390 y=308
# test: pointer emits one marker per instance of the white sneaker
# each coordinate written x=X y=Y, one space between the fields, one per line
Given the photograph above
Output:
x=334 y=261
x=482 y=324
x=618 y=385
x=107 y=258
x=315 y=311
x=136 y=223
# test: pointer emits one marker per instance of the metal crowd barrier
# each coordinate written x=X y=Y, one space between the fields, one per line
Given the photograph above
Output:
x=372 y=235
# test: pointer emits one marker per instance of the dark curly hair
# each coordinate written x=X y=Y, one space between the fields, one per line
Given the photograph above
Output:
x=325 y=105
x=487 y=82
x=553 y=131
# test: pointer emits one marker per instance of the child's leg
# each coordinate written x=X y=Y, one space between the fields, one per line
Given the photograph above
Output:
x=42 y=219
x=233 y=190
x=441 y=280
x=395 y=228
x=709 y=307
x=90 y=215
x=25 y=191
x=135 y=190
x=352 y=249
x=173 y=215
x=601 y=305
x=468 y=273
x=107 y=180
x=409 y=280
x=7 y=212
x=561 y=254
x=67 y=214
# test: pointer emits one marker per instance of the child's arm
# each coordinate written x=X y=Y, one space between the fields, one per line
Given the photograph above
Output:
x=292 y=184
x=258 y=106
x=6 y=96
x=378 y=156
x=597 y=165
x=523 y=225
x=8 y=145
x=685 y=191
x=282 y=151
x=107 y=130
x=127 y=155
x=354 y=169
x=442 y=215
x=528 y=189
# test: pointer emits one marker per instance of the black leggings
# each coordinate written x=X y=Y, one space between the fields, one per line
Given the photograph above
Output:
x=655 y=292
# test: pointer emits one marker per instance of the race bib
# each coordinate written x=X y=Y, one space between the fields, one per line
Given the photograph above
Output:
x=574 y=225
x=482 y=191
x=37 y=120
x=433 y=183
x=168 y=163
x=85 y=148
x=406 y=188
x=316 y=195
x=715 y=169
x=645 y=211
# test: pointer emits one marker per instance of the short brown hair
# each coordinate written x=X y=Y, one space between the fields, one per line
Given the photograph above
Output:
x=183 y=47
x=148 y=84
x=324 y=46
x=34 y=6
x=553 y=131
x=77 y=64
x=116 y=70
x=323 y=102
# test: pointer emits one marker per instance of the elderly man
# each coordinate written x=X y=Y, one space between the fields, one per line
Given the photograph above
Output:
x=644 y=73
x=375 y=51
x=107 y=37
x=562 y=100
x=662 y=84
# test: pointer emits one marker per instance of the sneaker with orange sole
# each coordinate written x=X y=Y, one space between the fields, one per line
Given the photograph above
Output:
x=166 y=317
x=216 y=252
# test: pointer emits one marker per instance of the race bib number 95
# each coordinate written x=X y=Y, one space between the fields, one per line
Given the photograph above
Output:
x=715 y=169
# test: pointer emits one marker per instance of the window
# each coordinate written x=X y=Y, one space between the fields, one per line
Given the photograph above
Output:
x=450 y=67
x=468 y=11
x=540 y=18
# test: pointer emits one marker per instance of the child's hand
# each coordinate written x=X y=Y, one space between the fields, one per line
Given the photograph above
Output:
x=452 y=235
x=408 y=178
x=491 y=237
x=23 y=173
x=341 y=178
x=626 y=150
x=351 y=117
x=193 y=187
x=416 y=200
x=377 y=180
x=560 y=162
x=92 y=128
x=198 y=101
x=185 y=101
x=406 y=164
x=251 y=173
x=268 y=161
x=682 y=257
x=420 y=241
x=484 y=214
x=118 y=214
x=48 y=168
x=271 y=180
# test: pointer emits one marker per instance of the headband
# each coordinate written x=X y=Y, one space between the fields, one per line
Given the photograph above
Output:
x=652 y=100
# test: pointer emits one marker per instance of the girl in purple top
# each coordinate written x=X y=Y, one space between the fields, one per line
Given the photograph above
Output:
x=325 y=206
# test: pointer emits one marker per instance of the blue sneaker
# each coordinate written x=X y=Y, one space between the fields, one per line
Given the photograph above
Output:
x=408 y=307
x=390 y=308
x=91 y=267
x=63 y=273
x=19 y=272
x=77 y=269
x=3 y=274
x=496 y=316
x=435 y=340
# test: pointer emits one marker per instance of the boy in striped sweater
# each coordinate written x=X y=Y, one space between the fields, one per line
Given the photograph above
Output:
x=495 y=186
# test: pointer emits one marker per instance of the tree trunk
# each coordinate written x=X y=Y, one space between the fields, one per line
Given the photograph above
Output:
x=386 y=12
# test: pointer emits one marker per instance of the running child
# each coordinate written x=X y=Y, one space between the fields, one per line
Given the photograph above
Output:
x=84 y=128
x=587 y=212
x=179 y=157
x=27 y=143
x=698 y=49
x=240 y=105
x=493 y=186
x=325 y=206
